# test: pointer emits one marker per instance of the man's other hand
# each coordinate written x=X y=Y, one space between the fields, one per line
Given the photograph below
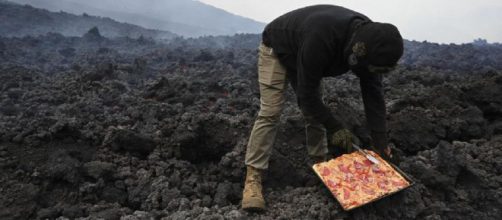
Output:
x=344 y=138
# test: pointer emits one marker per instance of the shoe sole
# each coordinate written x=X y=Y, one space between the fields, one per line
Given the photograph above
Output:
x=254 y=209
x=255 y=205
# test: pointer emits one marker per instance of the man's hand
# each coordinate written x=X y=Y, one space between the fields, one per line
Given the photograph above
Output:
x=344 y=138
x=380 y=145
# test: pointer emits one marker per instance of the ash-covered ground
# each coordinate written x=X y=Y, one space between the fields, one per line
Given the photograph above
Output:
x=135 y=129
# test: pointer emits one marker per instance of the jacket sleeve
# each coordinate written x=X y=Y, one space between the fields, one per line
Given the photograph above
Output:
x=313 y=58
x=374 y=107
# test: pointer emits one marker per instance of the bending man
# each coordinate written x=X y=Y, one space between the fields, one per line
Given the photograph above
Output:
x=301 y=47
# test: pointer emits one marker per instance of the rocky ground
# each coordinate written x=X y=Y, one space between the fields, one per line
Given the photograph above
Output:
x=131 y=129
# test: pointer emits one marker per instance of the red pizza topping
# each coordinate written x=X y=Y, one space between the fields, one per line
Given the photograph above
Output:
x=331 y=184
x=358 y=165
x=382 y=185
x=325 y=171
x=375 y=169
x=346 y=194
x=344 y=169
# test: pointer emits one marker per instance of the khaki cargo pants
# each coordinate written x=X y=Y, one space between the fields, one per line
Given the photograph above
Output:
x=272 y=80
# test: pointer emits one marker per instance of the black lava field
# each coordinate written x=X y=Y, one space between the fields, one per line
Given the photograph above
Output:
x=97 y=128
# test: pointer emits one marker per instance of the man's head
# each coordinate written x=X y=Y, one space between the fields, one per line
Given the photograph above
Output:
x=375 y=48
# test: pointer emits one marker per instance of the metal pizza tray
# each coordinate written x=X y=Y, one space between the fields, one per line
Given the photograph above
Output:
x=408 y=178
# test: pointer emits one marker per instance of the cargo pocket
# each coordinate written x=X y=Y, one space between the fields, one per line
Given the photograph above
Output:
x=270 y=70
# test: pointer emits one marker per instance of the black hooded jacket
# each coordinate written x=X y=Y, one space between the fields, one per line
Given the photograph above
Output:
x=310 y=43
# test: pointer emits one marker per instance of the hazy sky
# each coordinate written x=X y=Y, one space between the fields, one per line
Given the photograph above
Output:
x=443 y=21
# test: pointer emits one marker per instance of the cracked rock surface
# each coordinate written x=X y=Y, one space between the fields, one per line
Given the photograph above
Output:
x=137 y=129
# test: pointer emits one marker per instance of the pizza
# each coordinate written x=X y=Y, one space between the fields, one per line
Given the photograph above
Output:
x=354 y=180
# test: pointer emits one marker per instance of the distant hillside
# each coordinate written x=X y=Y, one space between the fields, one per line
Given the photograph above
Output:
x=20 y=20
x=185 y=17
